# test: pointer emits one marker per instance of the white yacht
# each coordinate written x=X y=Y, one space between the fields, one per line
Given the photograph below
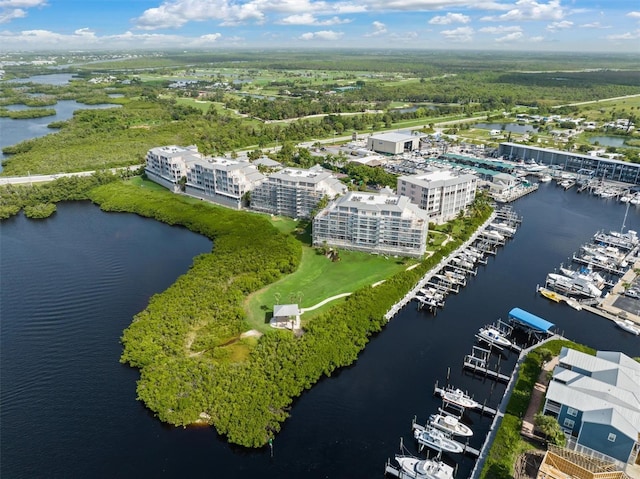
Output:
x=629 y=326
x=437 y=440
x=493 y=336
x=585 y=273
x=574 y=286
x=450 y=425
x=416 y=468
x=458 y=398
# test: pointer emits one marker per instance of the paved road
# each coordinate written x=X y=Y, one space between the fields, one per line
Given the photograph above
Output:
x=30 y=179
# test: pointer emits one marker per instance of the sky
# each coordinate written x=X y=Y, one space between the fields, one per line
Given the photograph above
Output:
x=527 y=25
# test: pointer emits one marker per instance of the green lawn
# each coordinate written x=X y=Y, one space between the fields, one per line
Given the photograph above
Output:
x=319 y=278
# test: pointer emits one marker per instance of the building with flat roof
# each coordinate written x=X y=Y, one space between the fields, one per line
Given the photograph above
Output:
x=219 y=180
x=373 y=222
x=393 y=143
x=296 y=192
x=166 y=165
x=443 y=194
x=614 y=170
x=596 y=400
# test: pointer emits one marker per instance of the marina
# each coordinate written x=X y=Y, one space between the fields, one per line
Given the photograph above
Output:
x=342 y=423
x=452 y=273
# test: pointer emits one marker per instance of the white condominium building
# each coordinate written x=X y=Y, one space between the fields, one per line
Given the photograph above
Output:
x=295 y=192
x=165 y=165
x=222 y=180
x=441 y=193
x=373 y=222
x=219 y=180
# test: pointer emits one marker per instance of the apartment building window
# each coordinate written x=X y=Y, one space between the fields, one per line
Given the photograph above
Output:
x=572 y=412
x=612 y=437
x=569 y=423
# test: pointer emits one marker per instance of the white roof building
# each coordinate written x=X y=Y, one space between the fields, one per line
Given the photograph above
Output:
x=296 y=192
x=373 y=222
x=220 y=180
x=393 y=143
x=441 y=193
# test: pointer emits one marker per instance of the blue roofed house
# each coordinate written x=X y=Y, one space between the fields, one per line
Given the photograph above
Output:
x=596 y=400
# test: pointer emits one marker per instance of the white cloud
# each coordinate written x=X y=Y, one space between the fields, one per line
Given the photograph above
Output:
x=321 y=35
x=86 y=32
x=531 y=10
x=499 y=30
x=461 y=34
x=309 y=19
x=176 y=13
x=430 y=5
x=633 y=14
x=8 y=15
x=537 y=39
x=563 y=25
x=510 y=37
x=625 y=36
x=597 y=25
x=22 y=3
x=404 y=37
x=379 y=28
x=14 y=9
x=449 y=18
x=86 y=39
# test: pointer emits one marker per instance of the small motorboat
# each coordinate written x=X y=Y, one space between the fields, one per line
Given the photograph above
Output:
x=459 y=398
x=413 y=467
x=450 y=425
x=628 y=325
x=550 y=294
x=493 y=336
x=437 y=440
x=574 y=304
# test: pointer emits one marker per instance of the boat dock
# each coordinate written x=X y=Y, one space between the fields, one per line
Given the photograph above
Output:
x=483 y=409
x=466 y=449
x=478 y=363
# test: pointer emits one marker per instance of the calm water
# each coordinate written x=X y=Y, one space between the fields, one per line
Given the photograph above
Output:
x=50 y=79
x=71 y=284
x=606 y=140
x=15 y=131
x=508 y=127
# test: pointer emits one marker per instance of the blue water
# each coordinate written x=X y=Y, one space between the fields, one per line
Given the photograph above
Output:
x=15 y=131
x=71 y=284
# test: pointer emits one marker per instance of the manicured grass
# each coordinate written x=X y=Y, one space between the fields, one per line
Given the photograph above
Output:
x=319 y=278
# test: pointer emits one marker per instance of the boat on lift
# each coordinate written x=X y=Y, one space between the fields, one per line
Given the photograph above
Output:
x=573 y=286
x=437 y=440
x=449 y=425
x=459 y=398
x=493 y=336
x=416 y=468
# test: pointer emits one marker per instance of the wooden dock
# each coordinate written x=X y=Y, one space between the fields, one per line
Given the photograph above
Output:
x=483 y=409
x=479 y=365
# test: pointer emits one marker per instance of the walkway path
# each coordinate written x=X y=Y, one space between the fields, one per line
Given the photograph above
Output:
x=322 y=303
x=537 y=396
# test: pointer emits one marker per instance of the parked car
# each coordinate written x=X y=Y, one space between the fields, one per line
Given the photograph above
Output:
x=632 y=293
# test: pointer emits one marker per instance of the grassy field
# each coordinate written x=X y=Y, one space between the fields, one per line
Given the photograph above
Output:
x=319 y=278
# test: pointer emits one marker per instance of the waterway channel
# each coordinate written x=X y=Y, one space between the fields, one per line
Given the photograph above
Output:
x=72 y=283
